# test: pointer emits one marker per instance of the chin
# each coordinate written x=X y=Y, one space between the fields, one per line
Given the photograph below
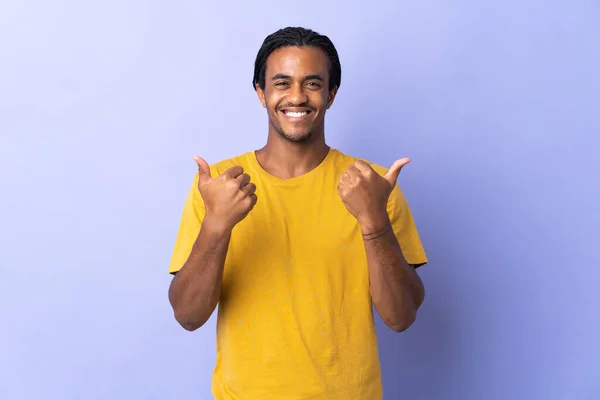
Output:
x=295 y=136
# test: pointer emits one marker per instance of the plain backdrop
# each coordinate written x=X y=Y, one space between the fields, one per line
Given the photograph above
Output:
x=104 y=103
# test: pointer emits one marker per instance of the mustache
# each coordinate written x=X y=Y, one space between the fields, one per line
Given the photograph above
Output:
x=290 y=105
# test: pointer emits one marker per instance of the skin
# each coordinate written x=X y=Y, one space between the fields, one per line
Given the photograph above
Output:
x=396 y=289
x=195 y=290
x=296 y=79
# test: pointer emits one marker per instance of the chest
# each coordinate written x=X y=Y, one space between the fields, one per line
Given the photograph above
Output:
x=291 y=244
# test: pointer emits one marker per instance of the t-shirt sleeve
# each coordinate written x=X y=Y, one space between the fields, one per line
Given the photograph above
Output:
x=405 y=228
x=189 y=227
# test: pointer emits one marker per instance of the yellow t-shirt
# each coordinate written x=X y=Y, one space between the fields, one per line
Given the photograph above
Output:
x=295 y=318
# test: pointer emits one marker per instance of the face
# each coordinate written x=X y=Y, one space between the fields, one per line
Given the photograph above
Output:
x=296 y=93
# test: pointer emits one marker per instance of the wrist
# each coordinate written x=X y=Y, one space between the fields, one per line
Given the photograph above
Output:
x=374 y=223
x=216 y=225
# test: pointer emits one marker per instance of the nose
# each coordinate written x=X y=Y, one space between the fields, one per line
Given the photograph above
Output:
x=297 y=95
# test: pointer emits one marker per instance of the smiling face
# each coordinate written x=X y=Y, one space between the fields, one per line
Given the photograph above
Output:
x=296 y=93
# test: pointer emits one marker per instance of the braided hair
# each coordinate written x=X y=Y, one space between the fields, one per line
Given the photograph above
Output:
x=298 y=37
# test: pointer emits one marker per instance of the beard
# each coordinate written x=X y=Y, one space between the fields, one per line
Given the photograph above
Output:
x=295 y=138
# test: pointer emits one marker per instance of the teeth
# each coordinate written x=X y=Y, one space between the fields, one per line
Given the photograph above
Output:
x=296 y=114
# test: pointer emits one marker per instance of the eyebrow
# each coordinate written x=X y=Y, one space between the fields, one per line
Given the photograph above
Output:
x=306 y=78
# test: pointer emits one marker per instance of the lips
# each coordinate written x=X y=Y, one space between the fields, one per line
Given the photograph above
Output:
x=295 y=114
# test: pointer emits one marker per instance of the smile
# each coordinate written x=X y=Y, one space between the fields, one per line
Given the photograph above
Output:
x=295 y=115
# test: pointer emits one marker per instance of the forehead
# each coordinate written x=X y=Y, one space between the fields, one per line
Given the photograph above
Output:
x=298 y=61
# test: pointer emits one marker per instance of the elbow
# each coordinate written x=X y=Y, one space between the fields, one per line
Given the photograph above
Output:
x=187 y=322
x=404 y=321
x=190 y=327
x=420 y=298
x=184 y=313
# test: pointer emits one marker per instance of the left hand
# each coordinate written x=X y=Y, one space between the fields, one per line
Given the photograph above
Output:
x=365 y=193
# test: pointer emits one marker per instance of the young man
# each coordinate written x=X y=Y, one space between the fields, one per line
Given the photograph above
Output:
x=296 y=242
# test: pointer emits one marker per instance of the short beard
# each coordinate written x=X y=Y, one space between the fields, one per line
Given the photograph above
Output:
x=294 y=139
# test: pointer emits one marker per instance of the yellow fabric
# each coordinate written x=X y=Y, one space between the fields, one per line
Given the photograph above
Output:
x=295 y=318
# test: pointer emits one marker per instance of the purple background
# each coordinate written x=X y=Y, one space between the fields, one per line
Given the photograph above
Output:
x=104 y=103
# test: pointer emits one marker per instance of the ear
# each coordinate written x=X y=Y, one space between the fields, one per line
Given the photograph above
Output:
x=332 y=94
x=261 y=96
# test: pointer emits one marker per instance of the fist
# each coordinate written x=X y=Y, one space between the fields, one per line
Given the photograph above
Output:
x=229 y=197
x=365 y=193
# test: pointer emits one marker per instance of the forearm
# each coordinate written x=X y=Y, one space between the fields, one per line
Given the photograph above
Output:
x=196 y=288
x=396 y=289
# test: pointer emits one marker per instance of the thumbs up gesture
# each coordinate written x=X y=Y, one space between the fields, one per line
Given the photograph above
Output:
x=365 y=193
x=228 y=198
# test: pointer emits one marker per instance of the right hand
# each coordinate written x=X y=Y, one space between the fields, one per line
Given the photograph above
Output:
x=229 y=197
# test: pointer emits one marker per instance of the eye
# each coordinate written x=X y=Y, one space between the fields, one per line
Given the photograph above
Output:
x=314 y=84
x=281 y=84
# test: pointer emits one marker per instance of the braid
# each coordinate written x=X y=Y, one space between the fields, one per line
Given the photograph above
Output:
x=298 y=37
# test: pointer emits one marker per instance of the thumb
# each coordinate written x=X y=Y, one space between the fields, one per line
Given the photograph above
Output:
x=392 y=175
x=203 y=171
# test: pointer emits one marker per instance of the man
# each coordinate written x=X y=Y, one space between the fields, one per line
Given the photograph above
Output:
x=296 y=242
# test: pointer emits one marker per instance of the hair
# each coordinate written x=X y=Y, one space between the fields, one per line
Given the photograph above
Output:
x=296 y=37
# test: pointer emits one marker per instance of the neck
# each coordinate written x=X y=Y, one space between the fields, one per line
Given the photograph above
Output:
x=285 y=159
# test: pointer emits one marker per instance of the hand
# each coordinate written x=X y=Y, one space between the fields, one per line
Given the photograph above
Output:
x=365 y=193
x=229 y=197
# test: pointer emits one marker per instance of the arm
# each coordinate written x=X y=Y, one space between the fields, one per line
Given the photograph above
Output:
x=226 y=200
x=196 y=288
x=396 y=289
